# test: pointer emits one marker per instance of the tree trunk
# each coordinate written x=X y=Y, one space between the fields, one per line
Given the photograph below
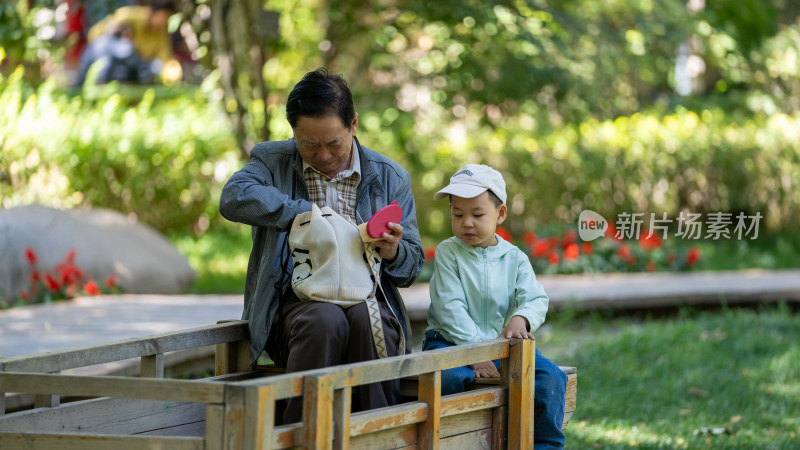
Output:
x=239 y=47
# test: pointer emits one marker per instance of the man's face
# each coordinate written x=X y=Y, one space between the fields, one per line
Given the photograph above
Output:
x=325 y=143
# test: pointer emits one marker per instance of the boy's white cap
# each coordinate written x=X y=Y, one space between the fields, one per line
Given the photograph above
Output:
x=473 y=180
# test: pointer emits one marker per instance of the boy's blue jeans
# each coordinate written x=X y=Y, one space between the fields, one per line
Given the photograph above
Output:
x=548 y=401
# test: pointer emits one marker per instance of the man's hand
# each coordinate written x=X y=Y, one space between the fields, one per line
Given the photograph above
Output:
x=387 y=245
x=485 y=370
x=517 y=328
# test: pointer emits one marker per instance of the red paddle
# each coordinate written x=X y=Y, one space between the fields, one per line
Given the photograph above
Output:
x=376 y=225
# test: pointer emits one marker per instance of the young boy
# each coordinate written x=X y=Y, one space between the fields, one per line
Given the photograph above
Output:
x=483 y=288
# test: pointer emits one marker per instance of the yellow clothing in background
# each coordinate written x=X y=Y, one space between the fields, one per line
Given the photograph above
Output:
x=149 y=43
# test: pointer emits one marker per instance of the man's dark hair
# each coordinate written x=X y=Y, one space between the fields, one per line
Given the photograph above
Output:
x=492 y=196
x=318 y=94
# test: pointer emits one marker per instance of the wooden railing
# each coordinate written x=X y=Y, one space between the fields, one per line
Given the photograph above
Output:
x=236 y=410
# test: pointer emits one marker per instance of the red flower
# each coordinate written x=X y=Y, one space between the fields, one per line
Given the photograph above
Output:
x=624 y=253
x=529 y=237
x=611 y=232
x=112 y=280
x=70 y=258
x=670 y=257
x=587 y=248
x=24 y=295
x=651 y=266
x=693 y=256
x=30 y=255
x=50 y=282
x=572 y=252
x=430 y=253
x=650 y=243
x=553 y=258
x=569 y=238
x=503 y=233
x=541 y=248
x=35 y=276
x=91 y=288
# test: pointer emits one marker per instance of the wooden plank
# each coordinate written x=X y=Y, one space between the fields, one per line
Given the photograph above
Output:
x=385 y=418
x=64 y=441
x=234 y=418
x=499 y=428
x=288 y=436
x=392 y=438
x=224 y=359
x=520 y=393
x=350 y=375
x=570 y=398
x=467 y=422
x=152 y=366
x=342 y=399
x=141 y=388
x=215 y=427
x=105 y=416
x=430 y=393
x=416 y=412
x=259 y=417
x=232 y=357
x=461 y=400
x=317 y=412
x=406 y=435
x=128 y=348
x=193 y=429
x=479 y=439
x=46 y=401
x=473 y=401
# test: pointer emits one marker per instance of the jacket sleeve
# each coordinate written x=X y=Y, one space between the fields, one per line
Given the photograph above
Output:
x=250 y=197
x=406 y=266
x=530 y=298
x=448 y=300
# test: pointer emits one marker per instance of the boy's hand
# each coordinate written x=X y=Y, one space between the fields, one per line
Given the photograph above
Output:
x=387 y=246
x=485 y=370
x=517 y=328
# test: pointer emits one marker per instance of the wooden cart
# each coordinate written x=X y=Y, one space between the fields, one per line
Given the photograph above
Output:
x=236 y=408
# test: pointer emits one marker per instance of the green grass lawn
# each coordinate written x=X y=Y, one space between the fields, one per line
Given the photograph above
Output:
x=219 y=258
x=674 y=382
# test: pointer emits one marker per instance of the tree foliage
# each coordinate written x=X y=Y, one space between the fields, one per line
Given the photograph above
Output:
x=574 y=100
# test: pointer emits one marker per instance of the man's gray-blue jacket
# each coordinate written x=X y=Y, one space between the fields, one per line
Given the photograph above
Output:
x=270 y=191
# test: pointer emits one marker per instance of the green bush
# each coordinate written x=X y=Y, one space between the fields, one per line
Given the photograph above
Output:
x=699 y=162
x=162 y=160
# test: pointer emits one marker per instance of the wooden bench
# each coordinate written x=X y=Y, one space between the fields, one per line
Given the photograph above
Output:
x=236 y=408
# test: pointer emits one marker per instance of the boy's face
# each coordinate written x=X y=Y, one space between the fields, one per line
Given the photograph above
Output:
x=476 y=219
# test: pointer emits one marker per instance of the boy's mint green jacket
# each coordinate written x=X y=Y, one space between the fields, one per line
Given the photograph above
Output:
x=475 y=291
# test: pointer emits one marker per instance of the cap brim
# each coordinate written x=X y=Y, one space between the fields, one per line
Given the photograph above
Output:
x=460 y=190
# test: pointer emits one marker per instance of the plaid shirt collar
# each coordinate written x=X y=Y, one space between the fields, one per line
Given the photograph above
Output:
x=354 y=169
x=339 y=192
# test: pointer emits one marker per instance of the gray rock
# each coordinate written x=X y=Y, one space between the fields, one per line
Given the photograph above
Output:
x=105 y=242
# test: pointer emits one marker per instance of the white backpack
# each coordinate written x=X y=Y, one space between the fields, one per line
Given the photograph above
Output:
x=332 y=264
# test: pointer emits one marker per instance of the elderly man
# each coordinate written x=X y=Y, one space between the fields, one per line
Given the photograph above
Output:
x=325 y=164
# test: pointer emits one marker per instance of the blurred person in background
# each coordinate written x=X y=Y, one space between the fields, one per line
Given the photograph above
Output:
x=115 y=52
x=151 y=38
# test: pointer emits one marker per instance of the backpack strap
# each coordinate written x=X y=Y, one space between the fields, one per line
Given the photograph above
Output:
x=373 y=308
